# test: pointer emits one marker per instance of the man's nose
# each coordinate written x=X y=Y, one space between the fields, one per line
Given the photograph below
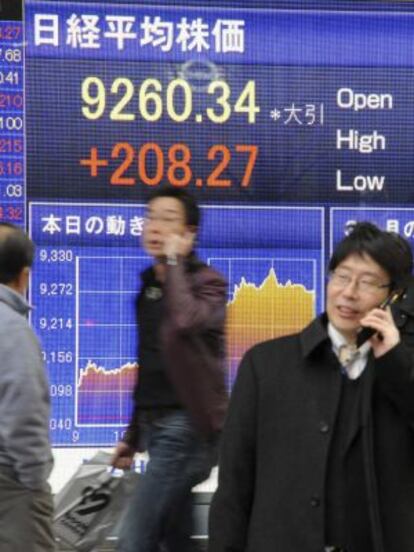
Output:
x=351 y=288
x=154 y=225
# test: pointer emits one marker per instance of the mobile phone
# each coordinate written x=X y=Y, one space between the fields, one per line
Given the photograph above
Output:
x=365 y=333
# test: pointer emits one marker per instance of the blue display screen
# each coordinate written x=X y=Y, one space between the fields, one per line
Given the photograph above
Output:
x=286 y=124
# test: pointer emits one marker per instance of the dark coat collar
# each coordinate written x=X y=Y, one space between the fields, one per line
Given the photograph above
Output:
x=314 y=335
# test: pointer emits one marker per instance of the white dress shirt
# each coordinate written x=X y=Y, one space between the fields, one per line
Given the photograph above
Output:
x=353 y=360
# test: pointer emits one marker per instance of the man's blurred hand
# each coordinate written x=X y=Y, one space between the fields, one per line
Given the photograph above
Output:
x=123 y=456
x=179 y=245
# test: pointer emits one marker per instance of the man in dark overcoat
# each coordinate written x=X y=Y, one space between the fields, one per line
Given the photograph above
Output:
x=318 y=448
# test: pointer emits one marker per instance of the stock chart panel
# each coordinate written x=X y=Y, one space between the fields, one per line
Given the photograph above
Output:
x=286 y=124
x=86 y=316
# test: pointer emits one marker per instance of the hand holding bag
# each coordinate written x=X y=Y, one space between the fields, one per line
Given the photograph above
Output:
x=90 y=504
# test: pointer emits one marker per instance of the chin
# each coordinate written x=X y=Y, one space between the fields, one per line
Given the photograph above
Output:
x=347 y=330
x=153 y=251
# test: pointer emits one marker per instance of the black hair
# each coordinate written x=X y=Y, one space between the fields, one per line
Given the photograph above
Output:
x=16 y=252
x=191 y=209
x=388 y=249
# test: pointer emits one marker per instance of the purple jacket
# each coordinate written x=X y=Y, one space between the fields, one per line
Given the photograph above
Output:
x=192 y=338
x=192 y=343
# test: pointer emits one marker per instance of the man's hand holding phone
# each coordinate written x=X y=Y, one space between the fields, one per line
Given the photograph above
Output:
x=386 y=334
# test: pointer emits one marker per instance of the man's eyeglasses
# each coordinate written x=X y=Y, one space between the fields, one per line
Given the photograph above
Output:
x=164 y=220
x=365 y=284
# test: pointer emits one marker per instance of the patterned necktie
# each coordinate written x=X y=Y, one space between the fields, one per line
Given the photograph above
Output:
x=347 y=354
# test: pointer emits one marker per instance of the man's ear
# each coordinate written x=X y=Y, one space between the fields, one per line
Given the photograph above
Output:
x=22 y=280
